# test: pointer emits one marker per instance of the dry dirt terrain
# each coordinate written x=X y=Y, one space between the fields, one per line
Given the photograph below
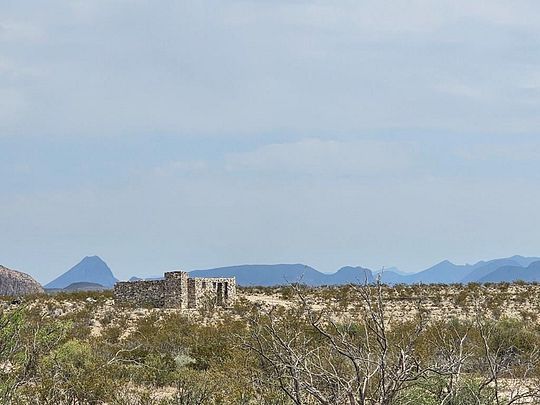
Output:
x=435 y=302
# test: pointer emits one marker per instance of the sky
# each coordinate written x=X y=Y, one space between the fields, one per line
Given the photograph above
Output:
x=167 y=135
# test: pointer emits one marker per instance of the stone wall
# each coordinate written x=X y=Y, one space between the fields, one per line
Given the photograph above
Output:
x=176 y=290
x=223 y=290
x=140 y=293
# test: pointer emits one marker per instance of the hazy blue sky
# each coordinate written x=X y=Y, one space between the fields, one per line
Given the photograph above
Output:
x=168 y=134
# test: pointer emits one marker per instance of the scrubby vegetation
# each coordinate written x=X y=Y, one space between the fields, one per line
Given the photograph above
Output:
x=287 y=345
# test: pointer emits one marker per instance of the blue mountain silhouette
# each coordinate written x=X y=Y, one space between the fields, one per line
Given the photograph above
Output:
x=281 y=274
x=444 y=272
x=91 y=269
x=529 y=274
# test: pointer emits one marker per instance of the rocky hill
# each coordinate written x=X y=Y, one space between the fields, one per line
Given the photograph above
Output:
x=14 y=282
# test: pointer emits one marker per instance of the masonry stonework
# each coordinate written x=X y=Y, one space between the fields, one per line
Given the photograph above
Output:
x=176 y=290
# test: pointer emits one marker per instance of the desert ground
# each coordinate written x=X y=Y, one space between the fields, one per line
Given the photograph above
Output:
x=447 y=344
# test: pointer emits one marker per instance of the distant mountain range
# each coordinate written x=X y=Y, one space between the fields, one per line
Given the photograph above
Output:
x=498 y=270
x=447 y=272
x=529 y=274
x=92 y=273
x=280 y=274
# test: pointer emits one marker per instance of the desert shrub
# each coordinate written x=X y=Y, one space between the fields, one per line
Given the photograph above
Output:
x=434 y=391
x=111 y=334
x=416 y=395
x=71 y=373
x=157 y=369
x=27 y=338
x=461 y=298
x=151 y=357
x=287 y=293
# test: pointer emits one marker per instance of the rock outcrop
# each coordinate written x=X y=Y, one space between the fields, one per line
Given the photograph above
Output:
x=14 y=282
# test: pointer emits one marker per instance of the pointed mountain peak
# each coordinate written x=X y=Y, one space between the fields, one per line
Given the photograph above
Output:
x=446 y=262
x=94 y=258
x=90 y=269
x=443 y=264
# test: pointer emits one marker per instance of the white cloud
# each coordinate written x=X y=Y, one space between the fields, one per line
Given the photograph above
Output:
x=20 y=32
x=323 y=157
x=502 y=152
x=12 y=103
x=182 y=167
x=239 y=68
x=463 y=90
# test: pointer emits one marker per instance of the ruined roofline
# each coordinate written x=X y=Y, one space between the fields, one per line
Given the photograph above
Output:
x=176 y=273
x=214 y=278
x=139 y=281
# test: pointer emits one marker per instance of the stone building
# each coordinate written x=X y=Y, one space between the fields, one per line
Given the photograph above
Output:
x=176 y=290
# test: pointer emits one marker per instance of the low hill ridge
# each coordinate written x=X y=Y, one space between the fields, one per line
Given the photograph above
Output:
x=84 y=286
